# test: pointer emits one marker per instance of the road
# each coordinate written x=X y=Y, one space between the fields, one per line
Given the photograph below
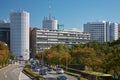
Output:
x=55 y=75
x=13 y=72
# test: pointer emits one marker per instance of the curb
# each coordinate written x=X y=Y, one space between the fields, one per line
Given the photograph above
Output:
x=27 y=75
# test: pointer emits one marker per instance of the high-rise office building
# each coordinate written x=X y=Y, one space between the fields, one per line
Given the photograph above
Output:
x=50 y=23
x=5 y=31
x=102 y=31
x=20 y=34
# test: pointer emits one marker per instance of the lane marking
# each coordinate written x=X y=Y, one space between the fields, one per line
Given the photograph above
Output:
x=20 y=76
x=5 y=74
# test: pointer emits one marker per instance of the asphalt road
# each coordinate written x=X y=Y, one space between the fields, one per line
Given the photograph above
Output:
x=55 y=75
x=11 y=72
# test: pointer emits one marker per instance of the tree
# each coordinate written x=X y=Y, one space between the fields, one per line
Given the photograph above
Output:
x=83 y=56
x=51 y=56
x=39 y=56
x=4 y=53
x=57 y=54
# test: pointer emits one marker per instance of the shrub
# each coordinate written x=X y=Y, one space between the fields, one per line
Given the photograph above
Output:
x=31 y=74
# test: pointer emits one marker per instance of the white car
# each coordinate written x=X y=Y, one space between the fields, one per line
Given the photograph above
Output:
x=59 y=71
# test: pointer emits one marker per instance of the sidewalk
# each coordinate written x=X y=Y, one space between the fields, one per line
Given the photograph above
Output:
x=22 y=76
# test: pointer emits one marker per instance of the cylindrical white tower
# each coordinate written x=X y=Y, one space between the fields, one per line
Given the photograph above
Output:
x=19 y=35
x=54 y=24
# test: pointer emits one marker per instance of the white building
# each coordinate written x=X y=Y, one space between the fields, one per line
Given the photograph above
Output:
x=19 y=36
x=114 y=32
x=102 y=31
x=50 y=23
x=44 y=39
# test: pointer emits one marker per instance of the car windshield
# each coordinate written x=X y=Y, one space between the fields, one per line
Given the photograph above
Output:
x=59 y=69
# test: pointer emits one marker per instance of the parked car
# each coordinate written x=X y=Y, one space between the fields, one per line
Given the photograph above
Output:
x=62 y=78
x=43 y=72
x=59 y=71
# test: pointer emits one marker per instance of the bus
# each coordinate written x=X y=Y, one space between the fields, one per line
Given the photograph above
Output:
x=90 y=75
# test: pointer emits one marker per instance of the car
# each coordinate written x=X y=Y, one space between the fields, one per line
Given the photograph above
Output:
x=59 y=71
x=37 y=69
x=43 y=72
x=50 y=69
x=62 y=78
x=50 y=78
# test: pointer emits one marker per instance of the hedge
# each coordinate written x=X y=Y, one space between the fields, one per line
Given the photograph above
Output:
x=29 y=73
x=73 y=72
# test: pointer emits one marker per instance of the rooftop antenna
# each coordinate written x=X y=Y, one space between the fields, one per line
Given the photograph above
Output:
x=50 y=12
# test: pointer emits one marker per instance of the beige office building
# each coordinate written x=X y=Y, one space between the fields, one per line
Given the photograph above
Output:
x=44 y=39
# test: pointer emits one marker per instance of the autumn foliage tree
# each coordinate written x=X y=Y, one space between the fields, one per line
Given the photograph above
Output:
x=4 y=54
x=58 y=54
x=103 y=57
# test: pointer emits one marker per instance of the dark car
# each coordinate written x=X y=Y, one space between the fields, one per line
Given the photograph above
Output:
x=62 y=78
x=49 y=69
x=43 y=72
x=50 y=78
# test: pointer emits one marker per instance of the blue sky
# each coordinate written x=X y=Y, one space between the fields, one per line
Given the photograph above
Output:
x=70 y=13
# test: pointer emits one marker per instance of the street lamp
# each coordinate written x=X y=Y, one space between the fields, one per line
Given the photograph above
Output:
x=66 y=62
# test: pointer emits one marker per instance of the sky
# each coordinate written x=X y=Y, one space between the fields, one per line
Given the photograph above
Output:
x=71 y=13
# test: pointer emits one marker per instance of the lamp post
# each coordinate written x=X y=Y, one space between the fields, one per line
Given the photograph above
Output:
x=66 y=62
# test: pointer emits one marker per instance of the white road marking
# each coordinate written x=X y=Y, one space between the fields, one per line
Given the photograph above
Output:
x=5 y=74
x=22 y=76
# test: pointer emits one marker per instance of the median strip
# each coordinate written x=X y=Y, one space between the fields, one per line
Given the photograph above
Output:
x=31 y=74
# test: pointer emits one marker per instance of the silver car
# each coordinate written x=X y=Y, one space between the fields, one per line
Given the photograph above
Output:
x=59 y=71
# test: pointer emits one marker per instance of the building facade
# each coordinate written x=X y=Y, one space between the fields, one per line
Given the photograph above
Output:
x=44 y=39
x=60 y=27
x=5 y=31
x=119 y=30
x=50 y=23
x=114 y=31
x=102 y=31
x=20 y=34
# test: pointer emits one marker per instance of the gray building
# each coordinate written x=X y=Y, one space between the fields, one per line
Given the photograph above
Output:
x=43 y=39
x=5 y=31
x=50 y=23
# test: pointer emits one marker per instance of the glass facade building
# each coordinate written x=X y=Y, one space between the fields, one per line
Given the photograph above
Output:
x=5 y=32
x=102 y=31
